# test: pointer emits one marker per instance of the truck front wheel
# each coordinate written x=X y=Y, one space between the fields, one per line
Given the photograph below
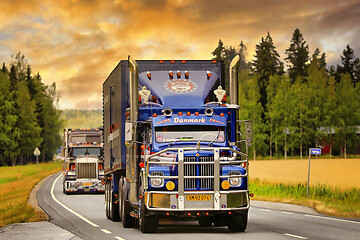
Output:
x=147 y=224
x=238 y=222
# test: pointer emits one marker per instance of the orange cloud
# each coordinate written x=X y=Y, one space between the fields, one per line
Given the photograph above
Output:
x=76 y=43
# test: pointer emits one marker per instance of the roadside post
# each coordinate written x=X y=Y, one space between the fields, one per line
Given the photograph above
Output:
x=314 y=151
x=37 y=153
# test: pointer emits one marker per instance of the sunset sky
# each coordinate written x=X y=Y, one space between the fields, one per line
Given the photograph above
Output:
x=77 y=43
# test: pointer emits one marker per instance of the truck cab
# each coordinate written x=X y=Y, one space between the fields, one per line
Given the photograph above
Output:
x=83 y=166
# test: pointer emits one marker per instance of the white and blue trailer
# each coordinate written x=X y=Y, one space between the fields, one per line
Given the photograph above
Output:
x=172 y=144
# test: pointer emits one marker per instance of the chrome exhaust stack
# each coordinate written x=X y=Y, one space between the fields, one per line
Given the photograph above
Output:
x=234 y=82
x=234 y=93
x=132 y=171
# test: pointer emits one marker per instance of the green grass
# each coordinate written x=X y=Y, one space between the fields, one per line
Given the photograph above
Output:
x=16 y=184
x=323 y=198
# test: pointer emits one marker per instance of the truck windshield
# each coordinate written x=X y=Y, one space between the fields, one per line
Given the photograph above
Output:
x=86 y=151
x=85 y=139
x=190 y=133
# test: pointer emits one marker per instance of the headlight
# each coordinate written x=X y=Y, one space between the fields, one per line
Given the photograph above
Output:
x=101 y=172
x=157 y=182
x=235 y=181
x=71 y=173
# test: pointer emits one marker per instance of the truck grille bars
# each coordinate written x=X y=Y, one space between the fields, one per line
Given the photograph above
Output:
x=199 y=170
x=86 y=170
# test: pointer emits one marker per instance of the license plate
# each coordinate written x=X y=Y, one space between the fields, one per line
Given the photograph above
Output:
x=198 y=197
x=87 y=184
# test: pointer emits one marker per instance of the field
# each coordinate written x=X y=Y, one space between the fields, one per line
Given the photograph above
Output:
x=337 y=173
x=334 y=184
x=15 y=187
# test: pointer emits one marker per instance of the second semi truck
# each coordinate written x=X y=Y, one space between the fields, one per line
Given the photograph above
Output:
x=172 y=144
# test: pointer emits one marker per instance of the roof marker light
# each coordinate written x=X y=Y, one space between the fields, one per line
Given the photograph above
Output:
x=208 y=73
x=148 y=74
x=196 y=113
x=172 y=61
x=213 y=61
x=154 y=115
x=186 y=74
x=183 y=61
x=178 y=73
x=161 y=61
x=188 y=113
x=221 y=114
x=180 y=113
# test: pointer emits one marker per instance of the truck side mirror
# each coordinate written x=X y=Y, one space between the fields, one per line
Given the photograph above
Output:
x=248 y=131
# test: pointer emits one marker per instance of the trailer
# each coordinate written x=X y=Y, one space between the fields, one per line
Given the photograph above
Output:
x=172 y=144
x=83 y=166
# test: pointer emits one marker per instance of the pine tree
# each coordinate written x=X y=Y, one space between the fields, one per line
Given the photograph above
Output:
x=218 y=53
x=9 y=133
x=348 y=61
x=297 y=56
x=266 y=64
x=27 y=123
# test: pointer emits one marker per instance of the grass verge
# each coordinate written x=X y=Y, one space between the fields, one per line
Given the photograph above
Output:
x=16 y=184
x=324 y=199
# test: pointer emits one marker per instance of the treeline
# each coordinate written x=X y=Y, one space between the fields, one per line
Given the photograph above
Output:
x=28 y=116
x=304 y=105
x=77 y=118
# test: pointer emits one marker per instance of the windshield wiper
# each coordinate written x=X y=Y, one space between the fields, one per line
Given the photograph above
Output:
x=179 y=139
x=215 y=138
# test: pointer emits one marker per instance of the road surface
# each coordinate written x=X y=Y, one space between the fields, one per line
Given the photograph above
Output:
x=84 y=216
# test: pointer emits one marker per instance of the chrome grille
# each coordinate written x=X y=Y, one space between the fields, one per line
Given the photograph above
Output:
x=86 y=170
x=199 y=170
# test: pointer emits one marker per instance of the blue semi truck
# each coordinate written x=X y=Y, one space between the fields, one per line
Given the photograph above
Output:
x=172 y=144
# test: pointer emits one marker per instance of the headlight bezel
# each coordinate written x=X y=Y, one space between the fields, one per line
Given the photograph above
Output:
x=235 y=181
x=161 y=181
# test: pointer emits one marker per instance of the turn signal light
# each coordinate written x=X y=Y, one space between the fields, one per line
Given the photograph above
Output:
x=225 y=185
x=170 y=185
x=148 y=74
x=141 y=165
x=208 y=75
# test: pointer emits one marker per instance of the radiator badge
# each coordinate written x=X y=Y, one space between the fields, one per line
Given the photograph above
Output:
x=180 y=86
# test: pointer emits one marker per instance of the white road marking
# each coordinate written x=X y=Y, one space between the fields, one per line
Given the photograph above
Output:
x=294 y=236
x=67 y=208
x=288 y=212
x=119 y=238
x=335 y=219
x=106 y=231
x=266 y=210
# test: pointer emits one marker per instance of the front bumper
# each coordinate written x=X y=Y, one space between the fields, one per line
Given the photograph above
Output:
x=84 y=185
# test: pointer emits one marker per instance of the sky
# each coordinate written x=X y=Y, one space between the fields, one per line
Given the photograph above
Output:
x=77 y=43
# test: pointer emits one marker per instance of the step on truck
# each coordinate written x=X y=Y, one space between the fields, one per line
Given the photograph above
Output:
x=83 y=166
x=172 y=144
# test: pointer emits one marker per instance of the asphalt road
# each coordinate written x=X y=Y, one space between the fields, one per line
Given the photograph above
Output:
x=84 y=216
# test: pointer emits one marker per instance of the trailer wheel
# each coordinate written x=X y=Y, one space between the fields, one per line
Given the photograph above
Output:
x=147 y=224
x=238 y=222
x=114 y=212
x=107 y=200
x=120 y=199
x=205 y=222
x=127 y=220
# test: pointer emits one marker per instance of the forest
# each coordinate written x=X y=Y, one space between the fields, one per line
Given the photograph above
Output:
x=294 y=104
x=28 y=116
x=298 y=103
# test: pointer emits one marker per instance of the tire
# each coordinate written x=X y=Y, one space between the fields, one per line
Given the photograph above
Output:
x=106 y=201
x=114 y=212
x=127 y=220
x=238 y=222
x=120 y=199
x=147 y=224
x=205 y=222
